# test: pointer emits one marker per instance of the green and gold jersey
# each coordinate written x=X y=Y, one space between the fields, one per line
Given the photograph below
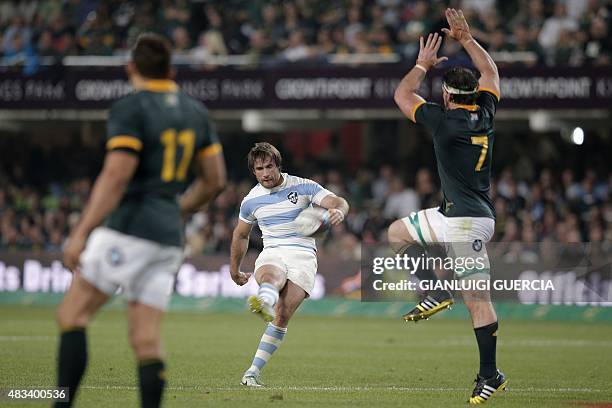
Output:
x=166 y=129
x=463 y=142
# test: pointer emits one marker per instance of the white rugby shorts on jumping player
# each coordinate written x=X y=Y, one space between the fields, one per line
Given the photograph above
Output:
x=144 y=269
x=462 y=236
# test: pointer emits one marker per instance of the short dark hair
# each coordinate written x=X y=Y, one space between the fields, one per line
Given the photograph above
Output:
x=262 y=151
x=463 y=79
x=151 y=55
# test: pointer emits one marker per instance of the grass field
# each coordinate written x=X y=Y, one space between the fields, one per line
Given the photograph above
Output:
x=325 y=361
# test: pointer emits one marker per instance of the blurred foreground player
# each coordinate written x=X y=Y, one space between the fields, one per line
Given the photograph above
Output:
x=285 y=269
x=463 y=133
x=158 y=139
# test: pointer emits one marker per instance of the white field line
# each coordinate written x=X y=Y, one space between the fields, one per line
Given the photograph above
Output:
x=348 y=389
x=509 y=342
x=26 y=338
x=461 y=342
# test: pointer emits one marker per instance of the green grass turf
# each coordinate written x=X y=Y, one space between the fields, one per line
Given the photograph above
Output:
x=325 y=361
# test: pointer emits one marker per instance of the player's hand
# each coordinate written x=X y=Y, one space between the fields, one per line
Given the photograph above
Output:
x=240 y=278
x=459 y=29
x=335 y=216
x=428 y=51
x=72 y=250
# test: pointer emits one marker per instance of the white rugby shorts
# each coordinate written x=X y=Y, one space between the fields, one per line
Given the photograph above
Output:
x=145 y=270
x=299 y=266
x=461 y=236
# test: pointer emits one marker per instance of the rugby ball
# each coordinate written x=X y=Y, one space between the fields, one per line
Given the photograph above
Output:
x=312 y=222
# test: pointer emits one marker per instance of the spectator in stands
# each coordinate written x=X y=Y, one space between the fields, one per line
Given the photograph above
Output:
x=594 y=9
x=174 y=14
x=7 y=11
x=380 y=38
x=95 y=36
x=598 y=46
x=554 y=26
x=381 y=26
x=45 y=48
x=202 y=52
x=271 y=25
x=181 y=41
x=17 y=28
x=482 y=7
x=293 y=22
x=498 y=41
x=361 y=43
x=296 y=49
x=382 y=185
x=63 y=36
x=521 y=42
x=530 y=15
x=239 y=29
x=259 y=46
x=353 y=26
x=416 y=24
x=340 y=40
x=568 y=49
x=143 y=22
x=47 y=11
x=325 y=44
x=426 y=189
x=21 y=54
x=402 y=200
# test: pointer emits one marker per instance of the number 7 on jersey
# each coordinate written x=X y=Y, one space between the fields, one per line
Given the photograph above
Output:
x=484 y=142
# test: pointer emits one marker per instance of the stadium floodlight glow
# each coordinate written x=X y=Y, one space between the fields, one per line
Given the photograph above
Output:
x=540 y=121
x=252 y=121
x=578 y=136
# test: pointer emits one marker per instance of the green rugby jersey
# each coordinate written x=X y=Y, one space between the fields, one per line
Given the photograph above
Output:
x=463 y=142
x=167 y=129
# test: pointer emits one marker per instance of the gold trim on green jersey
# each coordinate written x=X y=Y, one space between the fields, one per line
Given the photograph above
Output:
x=124 y=141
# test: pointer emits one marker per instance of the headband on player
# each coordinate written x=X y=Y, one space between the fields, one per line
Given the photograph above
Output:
x=455 y=91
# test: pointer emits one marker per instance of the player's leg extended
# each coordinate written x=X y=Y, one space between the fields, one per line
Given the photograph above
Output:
x=484 y=320
x=291 y=297
x=271 y=280
x=144 y=324
x=81 y=302
x=406 y=235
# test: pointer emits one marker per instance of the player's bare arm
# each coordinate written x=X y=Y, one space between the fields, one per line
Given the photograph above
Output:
x=459 y=30
x=211 y=179
x=337 y=207
x=240 y=245
x=119 y=167
x=406 y=96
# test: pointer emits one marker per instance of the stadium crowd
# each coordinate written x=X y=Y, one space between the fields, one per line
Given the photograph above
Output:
x=552 y=32
x=547 y=208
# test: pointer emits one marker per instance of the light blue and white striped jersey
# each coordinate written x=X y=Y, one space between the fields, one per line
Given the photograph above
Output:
x=276 y=209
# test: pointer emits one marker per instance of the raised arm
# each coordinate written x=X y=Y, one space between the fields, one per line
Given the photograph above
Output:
x=240 y=245
x=460 y=31
x=406 y=96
